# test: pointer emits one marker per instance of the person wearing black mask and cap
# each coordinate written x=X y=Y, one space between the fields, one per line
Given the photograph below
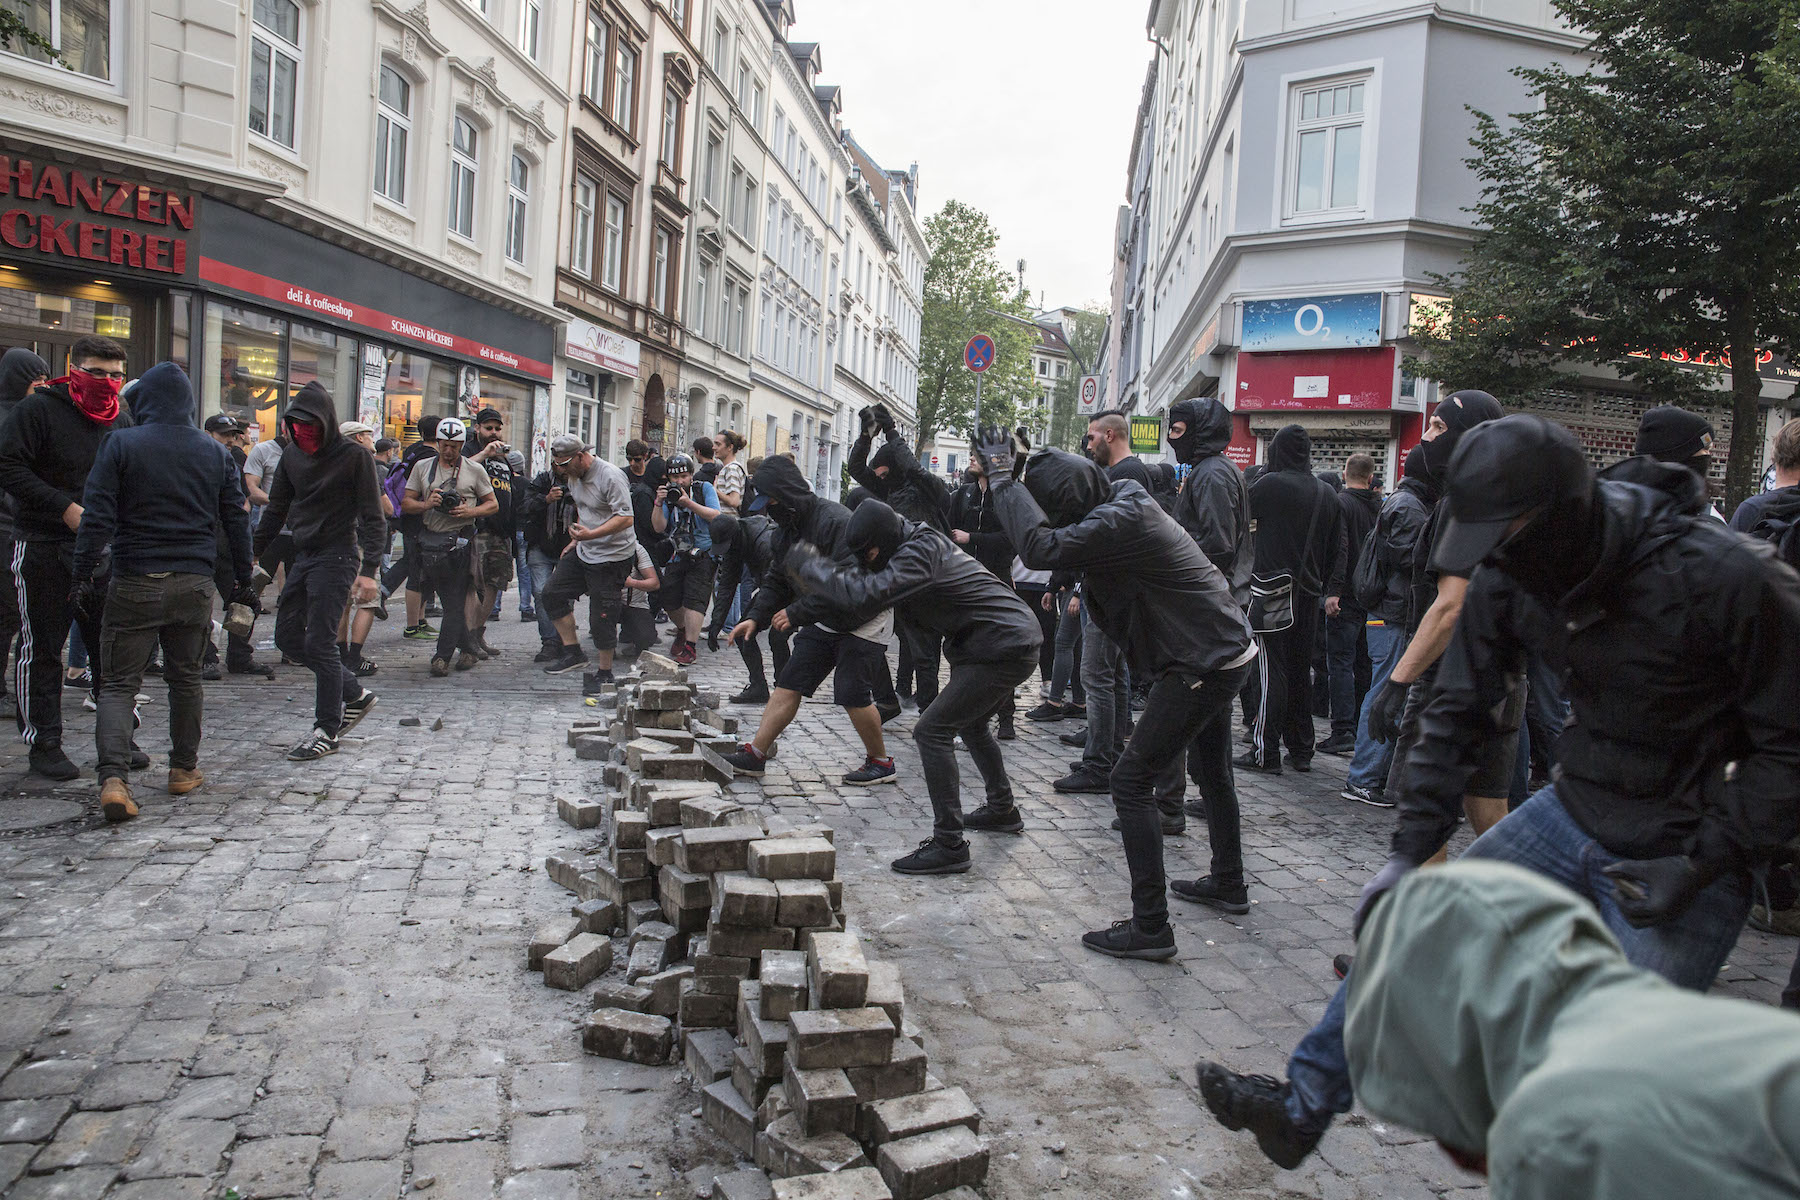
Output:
x=1675 y=435
x=1151 y=590
x=745 y=545
x=1617 y=581
x=990 y=637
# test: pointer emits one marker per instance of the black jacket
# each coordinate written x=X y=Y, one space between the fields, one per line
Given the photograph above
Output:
x=159 y=490
x=1360 y=510
x=1282 y=506
x=1402 y=522
x=1679 y=654
x=940 y=590
x=1148 y=587
x=331 y=501
x=972 y=511
x=19 y=369
x=799 y=516
x=1214 y=502
x=46 y=450
x=545 y=525
x=751 y=549
x=909 y=489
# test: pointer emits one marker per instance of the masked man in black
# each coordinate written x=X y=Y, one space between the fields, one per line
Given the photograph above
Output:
x=990 y=637
x=1619 y=582
x=1151 y=590
x=745 y=544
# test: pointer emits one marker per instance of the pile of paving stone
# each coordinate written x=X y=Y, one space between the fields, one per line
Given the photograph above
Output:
x=735 y=951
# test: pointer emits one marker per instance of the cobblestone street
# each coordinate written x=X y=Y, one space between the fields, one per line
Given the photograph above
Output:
x=310 y=979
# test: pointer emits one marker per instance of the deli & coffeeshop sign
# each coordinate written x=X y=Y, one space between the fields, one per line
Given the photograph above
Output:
x=70 y=217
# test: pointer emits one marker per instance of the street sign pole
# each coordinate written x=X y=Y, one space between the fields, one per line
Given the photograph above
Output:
x=978 y=356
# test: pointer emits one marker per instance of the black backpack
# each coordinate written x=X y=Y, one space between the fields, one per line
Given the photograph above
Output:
x=1780 y=525
x=1369 y=583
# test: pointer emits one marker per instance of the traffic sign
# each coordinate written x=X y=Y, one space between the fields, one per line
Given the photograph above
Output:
x=1090 y=394
x=979 y=354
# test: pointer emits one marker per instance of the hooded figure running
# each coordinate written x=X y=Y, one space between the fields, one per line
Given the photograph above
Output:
x=990 y=637
x=1151 y=590
x=325 y=491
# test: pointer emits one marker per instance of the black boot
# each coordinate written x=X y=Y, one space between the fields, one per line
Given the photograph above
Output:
x=1259 y=1104
x=1226 y=897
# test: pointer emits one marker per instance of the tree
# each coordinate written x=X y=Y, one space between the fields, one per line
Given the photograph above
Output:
x=1085 y=335
x=966 y=293
x=1644 y=215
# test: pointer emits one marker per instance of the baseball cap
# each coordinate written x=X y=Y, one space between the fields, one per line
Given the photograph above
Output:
x=451 y=430
x=490 y=413
x=355 y=428
x=222 y=423
x=1501 y=471
x=566 y=444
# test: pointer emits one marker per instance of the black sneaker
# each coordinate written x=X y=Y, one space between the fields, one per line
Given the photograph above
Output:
x=139 y=760
x=1085 y=780
x=549 y=652
x=365 y=667
x=1299 y=764
x=933 y=859
x=1210 y=892
x=751 y=695
x=569 y=658
x=594 y=682
x=1170 y=826
x=434 y=609
x=1342 y=746
x=888 y=711
x=1122 y=940
x=1250 y=762
x=212 y=672
x=253 y=667
x=1077 y=738
x=748 y=760
x=1373 y=797
x=380 y=609
x=988 y=819
x=1259 y=1104
x=355 y=710
x=82 y=679
x=1341 y=964
x=52 y=763
x=1005 y=732
x=315 y=745
x=527 y=617
x=1047 y=712
x=872 y=772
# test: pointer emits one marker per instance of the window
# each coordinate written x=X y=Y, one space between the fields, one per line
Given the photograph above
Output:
x=749 y=226
x=612 y=267
x=1327 y=161
x=742 y=87
x=740 y=315
x=584 y=413
x=531 y=19
x=671 y=129
x=721 y=47
x=80 y=31
x=393 y=127
x=709 y=170
x=659 y=278
x=698 y=313
x=763 y=326
x=593 y=77
x=625 y=95
x=774 y=215
x=463 y=166
x=756 y=104
x=581 y=245
x=679 y=10
x=780 y=130
x=734 y=195
x=274 y=69
x=518 y=194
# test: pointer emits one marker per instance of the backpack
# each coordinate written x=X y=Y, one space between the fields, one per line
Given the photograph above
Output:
x=1369 y=583
x=394 y=484
x=1780 y=525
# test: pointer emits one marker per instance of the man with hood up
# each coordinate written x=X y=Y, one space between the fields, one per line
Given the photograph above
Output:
x=1615 y=581
x=1561 y=1070
x=1150 y=589
x=829 y=641
x=990 y=636
x=1300 y=535
x=325 y=492
x=158 y=493
x=48 y=446
x=21 y=372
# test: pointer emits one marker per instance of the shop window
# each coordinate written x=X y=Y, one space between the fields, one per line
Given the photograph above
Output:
x=625 y=91
x=513 y=399
x=245 y=375
x=581 y=246
x=275 y=70
x=79 y=30
x=518 y=208
x=1326 y=162
x=613 y=268
x=464 y=165
x=393 y=130
x=417 y=385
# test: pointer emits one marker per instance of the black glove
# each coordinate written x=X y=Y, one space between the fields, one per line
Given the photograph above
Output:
x=247 y=595
x=884 y=420
x=1651 y=891
x=1387 y=709
x=994 y=451
x=87 y=599
x=797 y=560
x=712 y=639
x=866 y=415
x=1384 y=881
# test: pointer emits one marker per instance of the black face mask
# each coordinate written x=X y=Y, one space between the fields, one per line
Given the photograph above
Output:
x=1553 y=553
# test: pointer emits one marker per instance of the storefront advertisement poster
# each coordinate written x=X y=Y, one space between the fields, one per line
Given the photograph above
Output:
x=468 y=392
x=540 y=430
x=374 y=385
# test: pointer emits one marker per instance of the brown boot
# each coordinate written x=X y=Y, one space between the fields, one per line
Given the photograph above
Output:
x=115 y=801
x=182 y=781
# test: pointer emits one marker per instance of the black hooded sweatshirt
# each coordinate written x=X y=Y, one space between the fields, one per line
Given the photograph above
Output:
x=1283 y=504
x=19 y=369
x=1361 y=508
x=159 y=490
x=972 y=511
x=1147 y=586
x=1214 y=502
x=909 y=489
x=331 y=501
x=740 y=544
x=799 y=516
x=46 y=450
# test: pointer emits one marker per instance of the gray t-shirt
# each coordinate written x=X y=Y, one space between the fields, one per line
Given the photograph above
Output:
x=429 y=475
x=261 y=461
x=599 y=496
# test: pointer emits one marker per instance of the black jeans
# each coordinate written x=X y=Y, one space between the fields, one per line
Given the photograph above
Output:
x=1180 y=707
x=143 y=612
x=921 y=653
x=450 y=579
x=42 y=575
x=1349 y=668
x=1285 y=714
x=1209 y=766
x=306 y=626
x=1033 y=596
x=753 y=658
x=964 y=705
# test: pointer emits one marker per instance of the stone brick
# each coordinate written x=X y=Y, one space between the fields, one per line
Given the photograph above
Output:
x=886 y=992
x=630 y=829
x=707 y=812
x=638 y=749
x=630 y=864
x=650 y=718
x=673 y=766
x=767 y=1041
x=909 y=1116
x=596 y=916
x=610 y=885
x=792 y=858
x=730 y=1116
x=580 y=812
x=745 y=902
x=662 y=798
x=902 y=1075
x=717 y=985
x=823 y=1100
x=836 y=971
x=687 y=920
x=723 y=848
x=648 y=957
x=616 y=993
x=706 y=963
x=733 y=942
x=655 y=930
x=774 y=1107
x=707 y=1054
x=685 y=889
x=547 y=938
x=862 y=1183
x=641 y=912
x=577 y=963
x=784 y=986
x=679 y=741
x=840 y=1037
x=660 y=668
x=784 y=1149
x=750 y=1082
x=581 y=729
x=714 y=766
x=664 y=696
x=660 y=845
x=743 y=1185
x=593 y=748
x=633 y=1037
x=564 y=868
x=665 y=988
x=803 y=903
x=917 y=1167
x=719 y=721
x=701 y=1011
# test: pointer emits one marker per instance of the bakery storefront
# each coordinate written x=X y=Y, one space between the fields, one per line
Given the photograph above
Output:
x=252 y=308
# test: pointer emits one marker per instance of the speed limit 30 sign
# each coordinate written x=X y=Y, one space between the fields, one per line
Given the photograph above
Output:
x=1090 y=394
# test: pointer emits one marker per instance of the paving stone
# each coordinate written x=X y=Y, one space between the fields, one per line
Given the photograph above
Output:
x=804 y=903
x=659 y=845
x=735 y=942
x=707 y=1055
x=456 y=1169
x=665 y=988
x=823 y=1100
x=272 y=1167
x=542 y=1185
x=862 y=1183
x=32 y=1120
x=596 y=916
x=837 y=974
x=748 y=1076
x=180 y=1147
x=740 y=901
x=579 y=812
x=450 y=1109
x=630 y=864
x=367 y=1133
x=551 y=1141
x=89 y=1139
x=630 y=830
x=609 y=884
x=701 y=1010
x=703 y=851
x=46 y=1077
x=792 y=858
x=616 y=993
x=83 y=1183
x=909 y=1116
x=743 y=1185
x=648 y=957
x=549 y=937
x=633 y=1037
x=729 y=1115
x=783 y=974
x=784 y=1149
x=357 y=1181
x=573 y=966
x=707 y=812
x=684 y=889
x=901 y=1075
x=840 y=1037
x=917 y=1167
x=766 y=1042
x=886 y=991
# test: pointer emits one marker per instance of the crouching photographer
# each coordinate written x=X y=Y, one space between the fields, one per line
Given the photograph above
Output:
x=684 y=512
x=448 y=492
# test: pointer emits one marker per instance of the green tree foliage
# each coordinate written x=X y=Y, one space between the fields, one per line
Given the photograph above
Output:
x=966 y=293
x=18 y=36
x=1084 y=333
x=1644 y=215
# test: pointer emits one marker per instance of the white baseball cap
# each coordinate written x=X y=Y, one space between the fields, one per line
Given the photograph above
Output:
x=355 y=429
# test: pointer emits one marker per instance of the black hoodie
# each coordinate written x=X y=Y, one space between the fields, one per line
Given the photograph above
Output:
x=331 y=501
x=19 y=369
x=159 y=490
x=799 y=516
x=1285 y=503
x=1214 y=503
x=909 y=489
x=740 y=544
x=46 y=450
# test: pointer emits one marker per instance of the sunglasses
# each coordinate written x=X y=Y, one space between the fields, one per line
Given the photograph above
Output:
x=563 y=462
x=120 y=375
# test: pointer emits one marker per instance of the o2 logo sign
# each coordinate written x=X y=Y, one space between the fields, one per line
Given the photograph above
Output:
x=1313 y=323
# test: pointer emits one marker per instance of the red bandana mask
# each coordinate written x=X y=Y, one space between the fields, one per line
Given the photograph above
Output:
x=308 y=436
x=95 y=395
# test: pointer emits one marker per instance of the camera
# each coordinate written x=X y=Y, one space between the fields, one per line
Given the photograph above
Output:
x=675 y=493
x=449 y=498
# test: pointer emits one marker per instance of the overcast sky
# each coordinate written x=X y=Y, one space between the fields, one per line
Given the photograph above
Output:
x=1021 y=108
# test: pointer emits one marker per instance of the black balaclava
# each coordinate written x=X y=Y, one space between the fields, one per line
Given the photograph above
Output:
x=1066 y=486
x=1208 y=429
x=1462 y=412
x=19 y=369
x=897 y=459
x=874 y=524
x=1290 y=449
x=1562 y=544
x=1671 y=434
x=856 y=497
x=1416 y=470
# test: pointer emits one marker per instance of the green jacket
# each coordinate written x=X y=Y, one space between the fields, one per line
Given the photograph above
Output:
x=1491 y=1009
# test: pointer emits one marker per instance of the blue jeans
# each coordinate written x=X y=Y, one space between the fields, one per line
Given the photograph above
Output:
x=532 y=581
x=522 y=559
x=1108 y=685
x=1369 y=769
x=1065 y=670
x=1541 y=836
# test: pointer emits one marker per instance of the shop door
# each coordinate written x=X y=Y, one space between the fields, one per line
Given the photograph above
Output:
x=48 y=319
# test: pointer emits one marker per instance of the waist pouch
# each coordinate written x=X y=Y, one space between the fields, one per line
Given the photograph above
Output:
x=438 y=550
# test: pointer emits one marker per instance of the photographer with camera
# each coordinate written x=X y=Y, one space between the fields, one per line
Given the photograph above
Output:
x=449 y=492
x=493 y=561
x=684 y=511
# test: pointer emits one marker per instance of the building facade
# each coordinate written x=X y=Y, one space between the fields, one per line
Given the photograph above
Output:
x=192 y=181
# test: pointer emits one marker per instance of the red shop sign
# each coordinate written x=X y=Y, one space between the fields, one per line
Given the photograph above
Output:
x=361 y=315
x=134 y=227
x=1318 y=380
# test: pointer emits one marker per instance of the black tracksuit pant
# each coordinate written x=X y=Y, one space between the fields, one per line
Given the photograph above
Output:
x=306 y=626
x=1286 y=714
x=43 y=573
